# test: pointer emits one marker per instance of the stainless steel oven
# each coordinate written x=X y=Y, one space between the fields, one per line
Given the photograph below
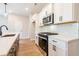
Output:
x=43 y=40
x=48 y=20
x=43 y=43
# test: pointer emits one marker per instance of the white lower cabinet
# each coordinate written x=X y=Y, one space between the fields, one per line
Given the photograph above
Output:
x=60 y=52
x=14 y=48
x=50 y=49
x=36 y=40
x=58 y=47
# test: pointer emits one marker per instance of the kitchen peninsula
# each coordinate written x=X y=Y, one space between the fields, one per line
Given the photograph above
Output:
x=9 y=44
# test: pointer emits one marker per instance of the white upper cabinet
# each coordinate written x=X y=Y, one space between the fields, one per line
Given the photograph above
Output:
x=76 y=11
x=40 y=18
x=47 y=10
x=65 y=12
x=57 y=13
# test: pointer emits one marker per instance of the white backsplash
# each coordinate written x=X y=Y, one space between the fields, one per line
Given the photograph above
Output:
x=69 y=29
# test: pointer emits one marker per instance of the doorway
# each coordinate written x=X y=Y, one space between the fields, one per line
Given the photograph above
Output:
x=33 y=30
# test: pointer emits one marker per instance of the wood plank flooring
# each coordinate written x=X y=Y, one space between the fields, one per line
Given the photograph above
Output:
x=28 y=48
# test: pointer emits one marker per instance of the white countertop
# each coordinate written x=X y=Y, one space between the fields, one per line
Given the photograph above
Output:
x=67 y=38
x=6 y=44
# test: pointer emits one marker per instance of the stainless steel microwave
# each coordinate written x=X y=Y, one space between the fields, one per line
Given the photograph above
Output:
x=48 y=20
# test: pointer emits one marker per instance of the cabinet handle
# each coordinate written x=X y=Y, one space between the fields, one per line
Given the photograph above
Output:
x=54 y=47
x=54 y=41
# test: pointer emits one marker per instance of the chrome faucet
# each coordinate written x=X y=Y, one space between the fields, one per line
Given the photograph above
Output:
x=1 y=29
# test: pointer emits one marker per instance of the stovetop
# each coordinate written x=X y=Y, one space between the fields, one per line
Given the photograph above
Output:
x=47 y=33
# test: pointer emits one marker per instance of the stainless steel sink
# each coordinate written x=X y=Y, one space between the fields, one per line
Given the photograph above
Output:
x=48 y=33
x=8 y=35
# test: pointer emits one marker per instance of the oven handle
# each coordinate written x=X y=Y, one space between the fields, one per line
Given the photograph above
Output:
x=42 y=37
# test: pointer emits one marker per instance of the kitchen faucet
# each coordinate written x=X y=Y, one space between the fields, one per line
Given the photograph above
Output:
x=1 y=29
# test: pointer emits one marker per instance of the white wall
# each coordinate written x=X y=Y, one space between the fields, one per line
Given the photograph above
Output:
x=33 y=18
x=18 y=23
x=31 y=29
x=3 y=21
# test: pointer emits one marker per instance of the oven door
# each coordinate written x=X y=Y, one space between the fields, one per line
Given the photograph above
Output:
x=43 y=43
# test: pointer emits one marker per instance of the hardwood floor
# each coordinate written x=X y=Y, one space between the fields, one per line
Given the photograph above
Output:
x=29 y=48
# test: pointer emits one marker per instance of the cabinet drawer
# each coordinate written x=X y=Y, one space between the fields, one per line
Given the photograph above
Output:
x=58 y=43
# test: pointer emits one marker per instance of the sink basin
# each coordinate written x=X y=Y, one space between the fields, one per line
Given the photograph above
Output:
x=48 y=33
x=8 y=35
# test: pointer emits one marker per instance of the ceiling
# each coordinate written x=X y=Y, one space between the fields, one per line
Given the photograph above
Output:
x=19 y=8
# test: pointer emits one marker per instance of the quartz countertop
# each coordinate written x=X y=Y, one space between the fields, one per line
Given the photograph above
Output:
x=63 y=37
x=6 y=44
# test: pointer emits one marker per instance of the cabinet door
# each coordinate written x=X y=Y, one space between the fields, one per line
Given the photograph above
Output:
x=40 y=19
x=54 y=50
x=63 y=12
x=57 y=47
x=50 y=9
x=60 y=52
x=50 y=50
x=36 y=40
x=67 y=12
x=58 y=12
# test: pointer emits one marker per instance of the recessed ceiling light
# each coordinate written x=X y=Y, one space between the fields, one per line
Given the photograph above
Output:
x=26 y=9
